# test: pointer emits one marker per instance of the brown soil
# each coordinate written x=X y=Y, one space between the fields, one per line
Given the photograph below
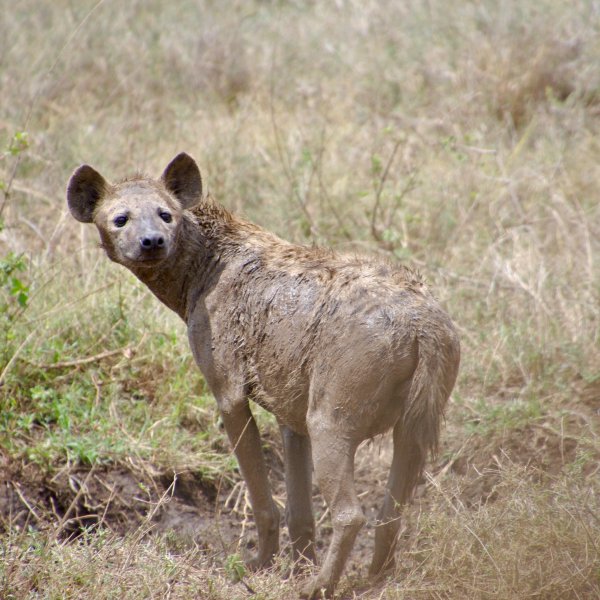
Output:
x=118 y=498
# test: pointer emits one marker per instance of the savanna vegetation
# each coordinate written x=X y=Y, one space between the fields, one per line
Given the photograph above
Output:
x=459 y=137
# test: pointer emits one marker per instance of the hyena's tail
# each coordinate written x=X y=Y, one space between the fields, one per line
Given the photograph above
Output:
x=416 y=434
x=433 y=380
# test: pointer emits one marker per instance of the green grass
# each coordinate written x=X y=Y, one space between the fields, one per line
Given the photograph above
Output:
x=458 y=137
x=94 y=385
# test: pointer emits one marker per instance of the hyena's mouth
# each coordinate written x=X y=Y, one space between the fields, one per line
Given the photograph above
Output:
x=147 y=259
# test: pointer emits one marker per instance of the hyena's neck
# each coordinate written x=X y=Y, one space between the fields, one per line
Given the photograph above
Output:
x=189 y=272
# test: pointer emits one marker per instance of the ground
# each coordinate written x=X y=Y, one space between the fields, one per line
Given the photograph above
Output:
x=215 y=517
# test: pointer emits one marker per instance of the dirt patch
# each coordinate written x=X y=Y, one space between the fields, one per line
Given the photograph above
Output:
x=117 y=498
x=188 y=509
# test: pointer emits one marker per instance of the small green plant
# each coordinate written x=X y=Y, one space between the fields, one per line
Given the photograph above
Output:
x=11 y=282
x=234 y=567
x=17 y=144
x=12 y=264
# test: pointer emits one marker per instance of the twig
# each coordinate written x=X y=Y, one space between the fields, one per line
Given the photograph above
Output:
x=17 y=489
x=65 y=518
x=323 y=516
x=62 y=307
x=146 y=525
x=376 y=235
x=13 y=358
x=81 y=361
x=237 y=490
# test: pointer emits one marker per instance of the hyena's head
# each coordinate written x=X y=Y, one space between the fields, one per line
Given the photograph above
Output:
x=138 y=219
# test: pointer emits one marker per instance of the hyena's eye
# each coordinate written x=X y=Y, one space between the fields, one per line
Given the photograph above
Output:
x=166 y=217
x=120 y=220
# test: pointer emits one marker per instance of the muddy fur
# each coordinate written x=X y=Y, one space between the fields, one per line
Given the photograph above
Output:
x=339 y=348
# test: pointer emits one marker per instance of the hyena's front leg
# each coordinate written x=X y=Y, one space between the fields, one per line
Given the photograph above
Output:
x=244 y=436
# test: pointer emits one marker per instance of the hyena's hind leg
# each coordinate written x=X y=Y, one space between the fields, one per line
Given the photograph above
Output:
x=407 y=465
x=298 y=480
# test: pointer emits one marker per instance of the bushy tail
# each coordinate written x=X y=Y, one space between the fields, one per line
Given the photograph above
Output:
x=416 y=434
x=432 y=383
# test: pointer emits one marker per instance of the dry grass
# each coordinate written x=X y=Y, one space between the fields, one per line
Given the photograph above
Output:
x=460 y=137
x=533 y=541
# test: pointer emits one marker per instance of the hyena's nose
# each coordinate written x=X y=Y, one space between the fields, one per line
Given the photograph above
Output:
x=152 y=241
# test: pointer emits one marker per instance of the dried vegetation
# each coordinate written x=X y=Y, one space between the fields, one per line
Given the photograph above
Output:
x=461 y=137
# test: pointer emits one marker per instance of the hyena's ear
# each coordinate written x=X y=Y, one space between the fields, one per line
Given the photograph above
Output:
x=182 y=178
x=85 y=189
